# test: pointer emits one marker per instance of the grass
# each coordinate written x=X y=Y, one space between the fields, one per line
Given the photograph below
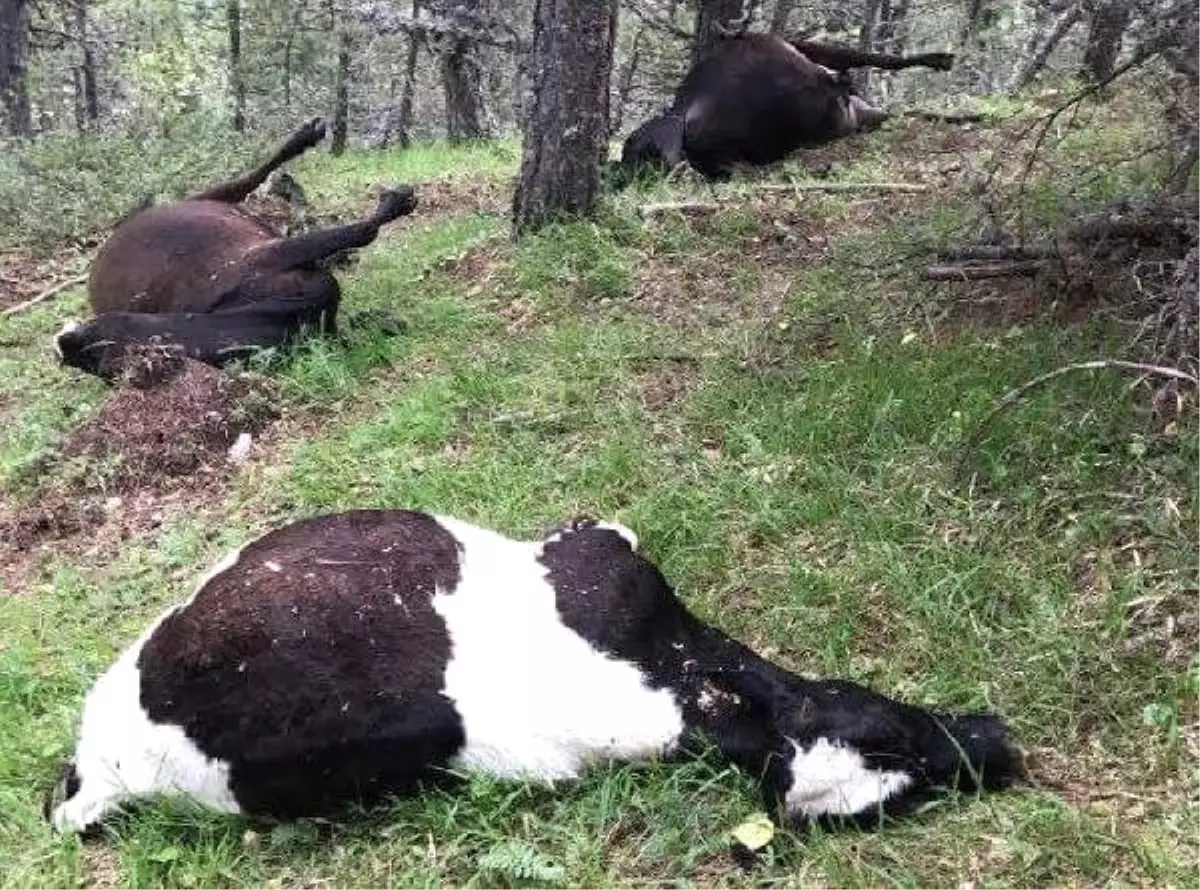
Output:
x=806 y=494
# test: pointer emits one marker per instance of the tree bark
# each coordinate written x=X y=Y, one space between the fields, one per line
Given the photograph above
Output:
x=1036 y=61
x=87 y=101
x=341 y=96
x=14 y=67
x=1109 y=19
x=408 y=85
x=711 y=17
x=779 y=18
x=461 y=79
x=866 y=42
x=566 y=132
x=237 y=78
x=625 y=80
x=462 y=74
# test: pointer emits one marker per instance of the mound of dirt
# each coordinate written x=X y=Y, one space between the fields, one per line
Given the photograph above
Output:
x=171 y=417
x=464 y=195
x=52 y=519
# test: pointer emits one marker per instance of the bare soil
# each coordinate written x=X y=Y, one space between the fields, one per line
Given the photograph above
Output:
x=159 y=427
x=24 y=274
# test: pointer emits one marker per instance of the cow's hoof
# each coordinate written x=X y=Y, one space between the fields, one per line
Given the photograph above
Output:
x=310 y=133
x=395 y=202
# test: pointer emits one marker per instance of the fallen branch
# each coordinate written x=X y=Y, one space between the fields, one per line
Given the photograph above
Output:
x=980 y=271
x=951 y=117
x=995 y=252
x=47 y=294
x=842 y=187
x=685 y=207
x=1012 y=396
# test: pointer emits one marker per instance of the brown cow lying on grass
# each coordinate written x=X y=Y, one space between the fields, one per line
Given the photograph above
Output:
x=204 y=277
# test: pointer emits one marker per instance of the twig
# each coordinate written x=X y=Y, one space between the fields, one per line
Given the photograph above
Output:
x=1014 y=395
x=995 y=252
x=677 y=207
x=980 y=271
x=949 y=117
x=841 y=187
x=47 y=294
x=1073 y=102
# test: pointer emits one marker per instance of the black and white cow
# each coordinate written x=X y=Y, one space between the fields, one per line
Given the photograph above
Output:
x=351 y=656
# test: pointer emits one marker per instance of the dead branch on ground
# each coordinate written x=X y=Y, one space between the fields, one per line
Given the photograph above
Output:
x=1015 y=395
x=47 y=294
x=975 y=271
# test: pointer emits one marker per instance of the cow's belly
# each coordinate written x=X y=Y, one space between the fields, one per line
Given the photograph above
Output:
x=536 y=700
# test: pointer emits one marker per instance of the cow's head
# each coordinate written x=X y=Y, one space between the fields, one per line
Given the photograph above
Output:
x=656 y=145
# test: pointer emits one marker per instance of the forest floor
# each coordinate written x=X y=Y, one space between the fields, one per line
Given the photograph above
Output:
x=787 y=415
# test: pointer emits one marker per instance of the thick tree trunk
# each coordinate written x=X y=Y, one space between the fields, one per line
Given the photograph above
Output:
x=14 y=67
x=341 y=96
x=461 y=79
x=1109 y=19
x=462 y=72
x=711 y=17
x=566 y=133
x=237 y=77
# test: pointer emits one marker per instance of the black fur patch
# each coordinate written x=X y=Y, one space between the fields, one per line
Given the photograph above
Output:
x=314 y=664
x=620 y=602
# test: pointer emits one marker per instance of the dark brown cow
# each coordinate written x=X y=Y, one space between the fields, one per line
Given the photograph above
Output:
x=206 y=277
x=757 y=98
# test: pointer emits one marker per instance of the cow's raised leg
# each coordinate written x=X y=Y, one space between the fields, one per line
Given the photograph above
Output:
x=236 y=190
x=312 y=247
x=842 y=58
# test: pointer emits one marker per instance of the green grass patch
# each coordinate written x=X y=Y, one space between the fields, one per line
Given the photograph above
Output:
x=825 y=505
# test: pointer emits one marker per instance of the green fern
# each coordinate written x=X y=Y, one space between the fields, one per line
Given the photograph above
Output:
x=522 y=864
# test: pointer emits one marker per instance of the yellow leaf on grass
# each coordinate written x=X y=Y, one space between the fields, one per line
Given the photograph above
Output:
x=756 y=832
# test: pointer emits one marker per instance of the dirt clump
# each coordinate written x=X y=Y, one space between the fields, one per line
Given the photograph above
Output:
x=169 y=418
x=51 y=519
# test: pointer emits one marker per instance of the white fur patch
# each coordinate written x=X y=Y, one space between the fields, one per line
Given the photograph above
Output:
x=123 y=754
x=537 y=701
x=623 y=531
x=69 y=328
x=832 y=779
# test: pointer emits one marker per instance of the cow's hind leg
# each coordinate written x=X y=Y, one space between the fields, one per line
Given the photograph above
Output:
x=236 y=190
x=313 y=247
x=842 y=58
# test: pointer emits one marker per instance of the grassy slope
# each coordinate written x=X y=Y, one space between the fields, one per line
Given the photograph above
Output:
x=798 y=482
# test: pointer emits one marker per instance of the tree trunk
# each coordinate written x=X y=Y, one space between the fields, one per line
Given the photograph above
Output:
x=1036 y=60
x=711 y=17
x=341 y=96
x=289 y=46
x=625 y=80
x=87 y=102
x=408 y=85
x=237 y=79
x=889 y=35
x=566 y=133
x=779 y=18
x=866 y=42
x=461 y=78
x=1109 y=19
x=14 y=67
